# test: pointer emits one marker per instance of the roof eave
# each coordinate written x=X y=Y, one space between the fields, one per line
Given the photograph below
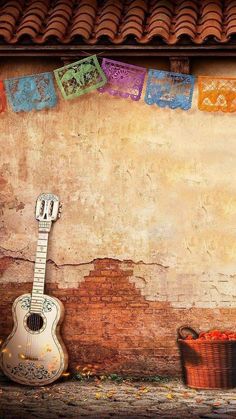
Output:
x=72 y=51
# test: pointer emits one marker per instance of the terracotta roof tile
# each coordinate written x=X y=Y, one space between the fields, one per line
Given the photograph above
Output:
x=93 y=21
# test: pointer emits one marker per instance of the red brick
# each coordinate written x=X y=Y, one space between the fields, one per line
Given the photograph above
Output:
x=138 y=305
x=106 y=299
x=108 y=322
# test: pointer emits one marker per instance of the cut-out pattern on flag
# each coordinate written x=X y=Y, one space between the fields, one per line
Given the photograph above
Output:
x=80 y=77
x=174 y=90
x=217 y=94
x=31 y=92
x=3 y=102
x=124 y=80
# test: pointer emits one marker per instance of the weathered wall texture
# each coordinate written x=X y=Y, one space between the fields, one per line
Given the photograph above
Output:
x=147 y=238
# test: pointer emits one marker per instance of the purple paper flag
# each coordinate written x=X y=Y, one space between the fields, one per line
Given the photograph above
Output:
x=123 y=80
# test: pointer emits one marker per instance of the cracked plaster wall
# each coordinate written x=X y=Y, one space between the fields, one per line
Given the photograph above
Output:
x=138 y=183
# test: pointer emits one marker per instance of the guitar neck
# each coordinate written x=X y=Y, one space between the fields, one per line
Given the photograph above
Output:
x=40 y=266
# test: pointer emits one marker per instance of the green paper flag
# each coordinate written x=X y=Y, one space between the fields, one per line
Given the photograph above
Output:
x=80 y=77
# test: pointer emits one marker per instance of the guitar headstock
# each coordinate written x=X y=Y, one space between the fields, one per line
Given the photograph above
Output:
x=48 y=208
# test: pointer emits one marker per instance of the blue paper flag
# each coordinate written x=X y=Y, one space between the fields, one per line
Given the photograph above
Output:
x=174 y=90
x=31 y=92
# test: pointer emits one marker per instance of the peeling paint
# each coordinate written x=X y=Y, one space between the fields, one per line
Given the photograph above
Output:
x=140 y=184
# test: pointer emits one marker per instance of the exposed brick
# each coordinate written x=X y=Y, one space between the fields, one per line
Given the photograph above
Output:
x=106 y=299
x=108 y=322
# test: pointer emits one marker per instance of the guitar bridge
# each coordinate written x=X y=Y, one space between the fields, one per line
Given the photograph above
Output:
x=27 y=358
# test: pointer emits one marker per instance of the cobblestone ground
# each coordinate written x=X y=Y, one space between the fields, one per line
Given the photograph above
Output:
x=106 y=399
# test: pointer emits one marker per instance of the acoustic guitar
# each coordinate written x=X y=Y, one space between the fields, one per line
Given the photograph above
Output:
x=34 y=353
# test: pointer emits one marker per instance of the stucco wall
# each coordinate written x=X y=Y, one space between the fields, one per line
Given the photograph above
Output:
x=153 y=186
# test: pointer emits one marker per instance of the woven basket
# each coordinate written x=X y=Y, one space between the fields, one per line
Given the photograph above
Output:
x=207 y=364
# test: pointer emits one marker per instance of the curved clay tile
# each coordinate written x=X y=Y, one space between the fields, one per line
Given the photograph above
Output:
x=57 y=20
x=110 y=5
x=81 y=30
x=230 y=14
x=185 y=30
x=210 y=16
x=164 y=5
x=26 y=31
x=131 y=29
x=229 y=6
x=92 y=3
x=135 y=13
x=186 y=4
x=53 y=33
x=213 y=2
x=159 y=15
x=210 y=32
x=85 y=10
x=159 y=20
x=62 y=12
x=185 y=17
x=105 y=32
x=212 y=7
x=107 y=26
x=58 y=26
x=18 y=5
x=110 y=9
x=160 y=11
x=231 y=30
x=139 y=4
x=157 y=31
x=117 y=19
x=109 y=16
x=189 y=13
x=82 y=19
x=37 y=11
x=8 y=19
x=213 y=23
x=83 y=25
x=12 y=11
x=30 y=20
x=6 y=34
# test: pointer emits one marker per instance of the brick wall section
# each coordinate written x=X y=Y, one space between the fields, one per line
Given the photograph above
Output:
x=108 y=323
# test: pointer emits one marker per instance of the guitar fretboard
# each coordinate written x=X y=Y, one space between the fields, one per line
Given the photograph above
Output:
x=40 y=267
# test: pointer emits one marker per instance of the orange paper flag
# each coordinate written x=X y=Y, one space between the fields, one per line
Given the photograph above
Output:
x=217 y=94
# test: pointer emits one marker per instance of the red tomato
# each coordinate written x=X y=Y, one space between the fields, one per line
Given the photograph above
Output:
x=214 y=334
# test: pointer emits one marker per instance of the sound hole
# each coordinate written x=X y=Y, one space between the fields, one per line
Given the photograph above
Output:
x=35 y=322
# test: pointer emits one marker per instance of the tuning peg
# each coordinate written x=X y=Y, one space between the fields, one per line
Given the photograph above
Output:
x=59 y=215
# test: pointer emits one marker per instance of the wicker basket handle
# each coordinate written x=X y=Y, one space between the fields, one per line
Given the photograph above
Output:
x=188 y=330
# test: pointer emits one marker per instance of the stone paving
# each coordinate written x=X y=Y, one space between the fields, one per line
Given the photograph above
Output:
x=105 y=399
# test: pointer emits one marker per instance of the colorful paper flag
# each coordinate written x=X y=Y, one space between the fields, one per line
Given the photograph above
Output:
x=217 y=94
x=166 y=89
x=80 y=77
x=123 y=80
x=3 y=102
x=31 y=92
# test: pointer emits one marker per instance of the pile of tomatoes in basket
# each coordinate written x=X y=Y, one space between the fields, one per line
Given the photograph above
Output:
x=213 y=335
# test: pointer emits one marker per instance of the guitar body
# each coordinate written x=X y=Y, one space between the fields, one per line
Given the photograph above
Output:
x=34 y=353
